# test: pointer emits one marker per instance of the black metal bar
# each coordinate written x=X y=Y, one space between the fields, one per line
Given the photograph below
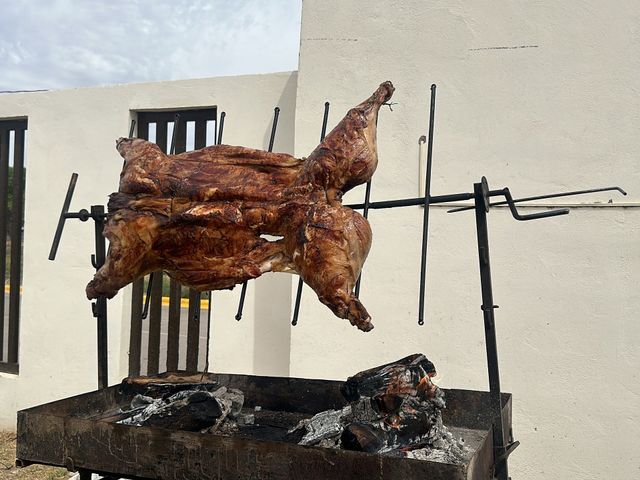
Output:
x=193 y=319
x=414 y=202
x=427 y=197
x=132 y=128
x=100 y=305
x=15 y=233
x=155 y=320
x=208 y=345
x=4 y=206
x=243 y=291
x=143 y=126
x=187 y=115
x=173 y=328
x=193 y=331
x=218 y=140
x=135 y=337
x=365 y=214
x=296 y=306
x=162 y=133
x=200 y=134
x=221 y=128
x=64 y=214
x=547 y=196
x=174 y=134
x=531 y=216
x=137 y=292
x=490 y=333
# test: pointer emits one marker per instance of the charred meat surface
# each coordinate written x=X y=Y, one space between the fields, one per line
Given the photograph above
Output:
x=200 y=215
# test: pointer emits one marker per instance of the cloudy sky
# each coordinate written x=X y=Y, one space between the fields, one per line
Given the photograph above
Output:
x=51 y=44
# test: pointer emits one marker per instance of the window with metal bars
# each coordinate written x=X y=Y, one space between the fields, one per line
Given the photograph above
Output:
x=12 y=181
x=170 y=336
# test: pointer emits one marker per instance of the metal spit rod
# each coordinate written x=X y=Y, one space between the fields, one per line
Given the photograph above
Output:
x=296 y=306
x=274 y=126
x=543 y=197
x=218 y=141
x=172 y=151
x=427 y=195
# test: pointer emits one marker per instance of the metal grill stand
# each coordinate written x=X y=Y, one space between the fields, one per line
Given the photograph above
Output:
x=503 y=444
x=99 y=307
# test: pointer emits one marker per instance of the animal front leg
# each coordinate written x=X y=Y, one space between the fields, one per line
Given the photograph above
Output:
x=329 y=248
x=130 y=240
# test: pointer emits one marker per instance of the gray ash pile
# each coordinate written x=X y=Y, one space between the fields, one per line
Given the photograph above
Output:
x=193 y=407
x=393 y=409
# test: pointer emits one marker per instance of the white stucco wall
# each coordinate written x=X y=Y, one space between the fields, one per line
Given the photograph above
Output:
x=559 y=114
x=75 y=131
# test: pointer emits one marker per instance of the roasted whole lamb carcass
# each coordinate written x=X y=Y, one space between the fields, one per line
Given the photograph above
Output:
x=200 y=215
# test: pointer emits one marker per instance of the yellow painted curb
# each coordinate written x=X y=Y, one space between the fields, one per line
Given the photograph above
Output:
x=184 y=302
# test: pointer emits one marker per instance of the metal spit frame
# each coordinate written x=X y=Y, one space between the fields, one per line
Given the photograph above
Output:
x=503 y=443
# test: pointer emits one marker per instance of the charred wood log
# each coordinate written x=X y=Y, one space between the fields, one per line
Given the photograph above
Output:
x=200 y=215
x=407 y=402
x=390 y=382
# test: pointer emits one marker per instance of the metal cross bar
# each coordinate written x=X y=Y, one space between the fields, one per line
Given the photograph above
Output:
x=547 y=196
x=274 y=126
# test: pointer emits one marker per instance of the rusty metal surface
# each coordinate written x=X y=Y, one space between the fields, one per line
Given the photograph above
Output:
x=76 y=433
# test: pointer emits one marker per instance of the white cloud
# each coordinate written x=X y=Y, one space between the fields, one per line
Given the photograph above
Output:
x=48 y=44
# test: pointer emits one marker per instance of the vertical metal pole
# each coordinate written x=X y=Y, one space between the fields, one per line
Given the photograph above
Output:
x=296 y=307
x=221 y=128
x=15 y=232
x=365 y=214
x=425 y=213
x=243 y=292
x=488 y=307
x=4 y=190
x=100 y=305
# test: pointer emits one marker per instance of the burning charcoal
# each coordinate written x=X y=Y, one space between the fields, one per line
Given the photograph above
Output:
x=364 y=409
x=401 y=377
x=392 y=408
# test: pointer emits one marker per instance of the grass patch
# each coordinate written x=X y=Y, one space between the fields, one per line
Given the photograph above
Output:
x=8 y=470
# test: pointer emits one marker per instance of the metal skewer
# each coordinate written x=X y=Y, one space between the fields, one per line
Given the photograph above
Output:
x=543 y=197
x=296 y=307
x=172 y=151
x=425 y=218
x=365 y=214
x=274 y=126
